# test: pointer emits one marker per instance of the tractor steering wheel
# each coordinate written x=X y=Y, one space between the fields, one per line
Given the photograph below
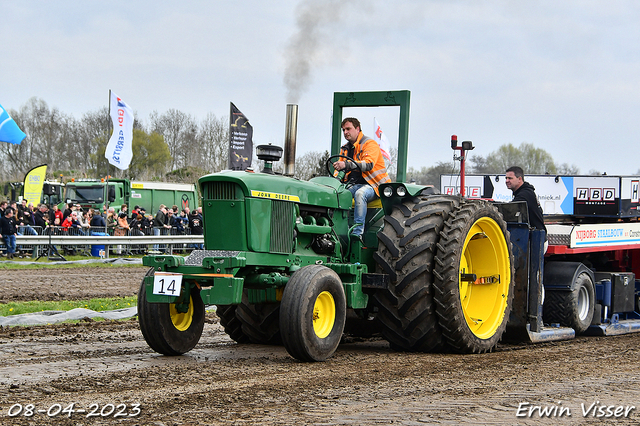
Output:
x=329 y=166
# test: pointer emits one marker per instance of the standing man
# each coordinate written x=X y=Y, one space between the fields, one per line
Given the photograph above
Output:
x=367 y=173
x=97 y=222
x=41 y=217
x=8 y=231
x=160 y=226
x=195 y=225
x=524 y=191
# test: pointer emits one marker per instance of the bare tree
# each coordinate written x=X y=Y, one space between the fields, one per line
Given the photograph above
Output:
x=48 y=132
x=533 y=160
x=566 y=169
x=212 y=144
x=178 y=129
x=311 y=164
x=431 y=175
x=95 y=130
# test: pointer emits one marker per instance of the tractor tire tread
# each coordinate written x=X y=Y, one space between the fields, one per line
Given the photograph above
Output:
x=406 y=311
x=451 y=318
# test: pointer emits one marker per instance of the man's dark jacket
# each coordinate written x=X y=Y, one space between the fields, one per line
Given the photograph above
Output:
x=41 y=219
x=7 y=226
x=527 y=193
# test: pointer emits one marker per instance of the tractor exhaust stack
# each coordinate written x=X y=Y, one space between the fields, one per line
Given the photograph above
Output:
x=290 y=134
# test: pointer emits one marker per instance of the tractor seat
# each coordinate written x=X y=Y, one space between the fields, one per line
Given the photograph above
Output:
x=373 y=204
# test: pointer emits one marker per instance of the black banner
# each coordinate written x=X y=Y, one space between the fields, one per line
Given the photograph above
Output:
x=240 y=140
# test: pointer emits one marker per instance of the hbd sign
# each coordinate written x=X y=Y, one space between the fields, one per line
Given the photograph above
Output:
x=596 y=194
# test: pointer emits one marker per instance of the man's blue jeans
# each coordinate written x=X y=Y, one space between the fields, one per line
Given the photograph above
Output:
x=156 y=232
x=10 y=242
x=362 y=194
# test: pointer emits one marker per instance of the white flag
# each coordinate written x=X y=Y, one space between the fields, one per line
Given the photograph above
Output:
x=120 y=147
x=382 y=140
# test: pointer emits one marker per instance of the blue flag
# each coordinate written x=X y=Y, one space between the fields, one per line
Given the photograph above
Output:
x=9 y=130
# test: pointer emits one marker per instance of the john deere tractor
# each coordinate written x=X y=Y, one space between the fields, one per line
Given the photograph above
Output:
x=434 y=272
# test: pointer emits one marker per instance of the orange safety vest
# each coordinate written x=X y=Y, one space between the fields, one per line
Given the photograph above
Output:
x=367 y=154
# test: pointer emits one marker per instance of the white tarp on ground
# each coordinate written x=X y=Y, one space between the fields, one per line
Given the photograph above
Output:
x=114 y=260
x=52 y=317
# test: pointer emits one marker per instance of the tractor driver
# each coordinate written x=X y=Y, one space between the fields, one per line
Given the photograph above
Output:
x=371 y=173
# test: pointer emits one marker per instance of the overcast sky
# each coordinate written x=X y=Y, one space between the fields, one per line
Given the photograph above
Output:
x=563 y=75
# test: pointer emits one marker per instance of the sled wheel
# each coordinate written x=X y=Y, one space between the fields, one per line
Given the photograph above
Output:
x=407 y=243
x=474 y=278
x=573 y=309
x=166 y=330
x=260 y=321
x=312 y=313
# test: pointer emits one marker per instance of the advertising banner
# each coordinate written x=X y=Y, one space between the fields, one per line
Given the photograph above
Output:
x=119 y=150
x=9 y=130
x=33 y=182
x=240 y=140
x=584 y=196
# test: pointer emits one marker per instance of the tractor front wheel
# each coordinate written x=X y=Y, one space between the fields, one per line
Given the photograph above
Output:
x=312 y=313
x=166 y=330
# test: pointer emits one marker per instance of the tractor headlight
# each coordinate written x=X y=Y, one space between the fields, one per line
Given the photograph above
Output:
x=388 y=191
x=401 y=191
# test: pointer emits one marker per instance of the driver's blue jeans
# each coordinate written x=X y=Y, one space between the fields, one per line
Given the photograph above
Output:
x=362 y=194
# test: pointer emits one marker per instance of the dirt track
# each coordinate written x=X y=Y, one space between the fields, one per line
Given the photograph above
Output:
x=221 y=382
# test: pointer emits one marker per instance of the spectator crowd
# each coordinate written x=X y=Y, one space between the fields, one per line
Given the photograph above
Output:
x=24 y=219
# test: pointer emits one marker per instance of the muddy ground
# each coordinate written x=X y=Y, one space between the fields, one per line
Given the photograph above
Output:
x=221 y=382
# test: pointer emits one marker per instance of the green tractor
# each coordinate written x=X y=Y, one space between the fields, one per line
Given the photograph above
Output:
x=434 y=272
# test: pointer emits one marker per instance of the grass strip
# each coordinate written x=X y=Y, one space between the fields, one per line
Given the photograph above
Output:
x=99 y=304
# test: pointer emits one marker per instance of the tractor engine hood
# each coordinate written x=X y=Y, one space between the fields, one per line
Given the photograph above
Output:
x=321 y=191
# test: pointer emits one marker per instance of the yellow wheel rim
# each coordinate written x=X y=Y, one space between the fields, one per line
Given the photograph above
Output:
x=324 y=314
x=485 y=253
x=181 y=320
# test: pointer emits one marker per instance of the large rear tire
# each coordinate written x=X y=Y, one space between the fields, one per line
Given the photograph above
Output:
x=473 y=315
x=406 y=310
x=312 y=313
x=166 y=330
x=231 y=324
x=260 y=321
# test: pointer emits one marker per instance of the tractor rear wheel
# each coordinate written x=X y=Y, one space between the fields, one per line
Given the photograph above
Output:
x=231 y=324
x=166 y=330
x=406 y=310
x=474 y=278
x=312 y=313
x=260 y=321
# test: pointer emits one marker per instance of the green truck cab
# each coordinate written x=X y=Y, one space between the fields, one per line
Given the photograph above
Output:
x=92 y=193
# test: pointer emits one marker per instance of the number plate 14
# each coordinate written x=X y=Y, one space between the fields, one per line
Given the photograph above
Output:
x=167 y=284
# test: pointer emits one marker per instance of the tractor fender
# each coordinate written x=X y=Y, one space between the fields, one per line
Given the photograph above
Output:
x=562 y=276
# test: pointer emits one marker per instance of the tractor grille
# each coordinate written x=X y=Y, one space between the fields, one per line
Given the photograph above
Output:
x=221 y=191
x=197 y=256
x=282 y=220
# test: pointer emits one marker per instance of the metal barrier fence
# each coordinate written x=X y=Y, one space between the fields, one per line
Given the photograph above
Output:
x=55 y=241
